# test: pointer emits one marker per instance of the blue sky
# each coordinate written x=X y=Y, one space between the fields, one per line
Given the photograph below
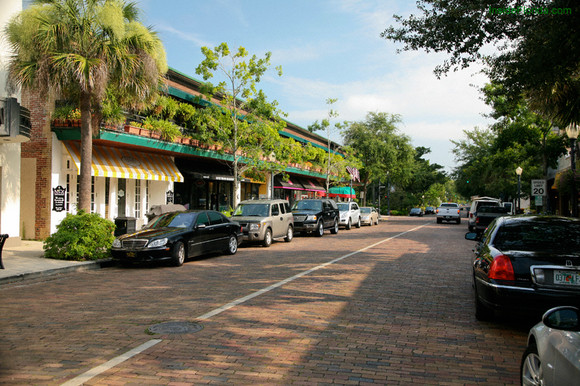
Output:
x=329 y=49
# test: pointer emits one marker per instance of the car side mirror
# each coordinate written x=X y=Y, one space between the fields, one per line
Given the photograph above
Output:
x=200 y=226
x=473 y=236
x=563 y=318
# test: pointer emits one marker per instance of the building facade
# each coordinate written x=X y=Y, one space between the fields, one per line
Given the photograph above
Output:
x=133 y=169
x=14 y=131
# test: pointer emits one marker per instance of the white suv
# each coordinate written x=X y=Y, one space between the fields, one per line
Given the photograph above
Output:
x=349 y=214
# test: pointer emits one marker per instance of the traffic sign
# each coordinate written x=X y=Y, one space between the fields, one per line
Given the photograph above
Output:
x=539 y=187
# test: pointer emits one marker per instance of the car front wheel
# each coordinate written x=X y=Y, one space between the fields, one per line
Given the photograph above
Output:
x=358 y=223
x=232 y=245
x=319 y=229
x=267 y=238
x=531 y=370
x=334 y=229
x=178 y=254
x=348 y=225
x=289 y=234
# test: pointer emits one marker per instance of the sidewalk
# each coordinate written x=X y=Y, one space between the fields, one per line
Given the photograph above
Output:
x=27 y=262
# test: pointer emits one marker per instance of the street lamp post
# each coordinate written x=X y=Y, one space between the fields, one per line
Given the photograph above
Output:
x=379 y=208
x=519 y=173
x=572 y=133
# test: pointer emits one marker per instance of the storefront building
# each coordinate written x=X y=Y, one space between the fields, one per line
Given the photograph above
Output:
x=134 y=170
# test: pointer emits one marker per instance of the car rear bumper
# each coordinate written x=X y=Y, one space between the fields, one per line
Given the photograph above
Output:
x=513 y=299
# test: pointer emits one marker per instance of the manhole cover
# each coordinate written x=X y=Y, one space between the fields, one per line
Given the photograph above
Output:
x=175 y=328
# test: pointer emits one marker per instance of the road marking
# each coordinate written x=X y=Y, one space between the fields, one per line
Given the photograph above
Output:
x=79 y=380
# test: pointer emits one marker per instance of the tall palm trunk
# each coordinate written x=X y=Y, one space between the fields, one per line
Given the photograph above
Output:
x=86 y=154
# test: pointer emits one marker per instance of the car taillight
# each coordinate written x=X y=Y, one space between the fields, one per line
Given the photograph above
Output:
x=458 y=210
x=501 y=269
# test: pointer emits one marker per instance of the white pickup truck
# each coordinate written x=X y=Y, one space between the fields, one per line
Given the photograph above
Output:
x=449 y=211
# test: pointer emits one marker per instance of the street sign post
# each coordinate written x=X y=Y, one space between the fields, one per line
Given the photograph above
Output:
x=538 y=187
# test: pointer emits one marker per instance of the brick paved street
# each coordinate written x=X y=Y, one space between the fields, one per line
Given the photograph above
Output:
x=399 y=312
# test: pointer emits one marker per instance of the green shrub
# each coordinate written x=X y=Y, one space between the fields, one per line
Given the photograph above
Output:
x=83 y=236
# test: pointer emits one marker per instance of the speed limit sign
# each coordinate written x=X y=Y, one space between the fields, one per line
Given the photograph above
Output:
x=538 y=187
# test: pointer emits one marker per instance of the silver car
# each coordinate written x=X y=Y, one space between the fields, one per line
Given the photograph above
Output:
x=553 y=353
x=265 y=220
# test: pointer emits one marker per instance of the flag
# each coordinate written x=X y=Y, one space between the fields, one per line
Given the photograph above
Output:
x=354 y=175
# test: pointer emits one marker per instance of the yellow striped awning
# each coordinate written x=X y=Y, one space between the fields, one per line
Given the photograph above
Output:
x=123 y=163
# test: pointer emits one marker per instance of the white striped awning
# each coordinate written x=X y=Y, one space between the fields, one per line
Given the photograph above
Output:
x=123 y=163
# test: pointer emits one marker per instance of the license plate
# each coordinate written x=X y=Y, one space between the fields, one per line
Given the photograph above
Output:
x=131 y=254
x=571 y=278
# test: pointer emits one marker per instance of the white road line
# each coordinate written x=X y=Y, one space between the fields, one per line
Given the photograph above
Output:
x=79 y=380
x=110 y=364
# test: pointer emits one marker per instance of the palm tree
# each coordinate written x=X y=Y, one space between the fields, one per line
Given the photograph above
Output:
x=78 y=49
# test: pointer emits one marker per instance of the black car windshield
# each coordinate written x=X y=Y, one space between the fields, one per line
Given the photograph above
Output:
x=173 y=220
x=557 y=237
x=259 y=210
x=308 y=205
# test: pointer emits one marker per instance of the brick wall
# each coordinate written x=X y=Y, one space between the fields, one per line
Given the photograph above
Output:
x=39 y=148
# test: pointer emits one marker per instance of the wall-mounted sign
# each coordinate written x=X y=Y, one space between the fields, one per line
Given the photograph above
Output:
x=169 y=197
x=58 y=198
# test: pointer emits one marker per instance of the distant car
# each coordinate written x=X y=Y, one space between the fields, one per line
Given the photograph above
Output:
x=316 y=215
x=369 y=215
x=349 y=214
x=176 y=236
x=526 y=265
x=475 y=205
x=265 y=220
x=429 y=210
x=553 y=353
x=416 y=212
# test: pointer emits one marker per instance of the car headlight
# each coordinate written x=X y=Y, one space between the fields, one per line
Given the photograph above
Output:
x=312 y=217
x=343 y=215
x=157 y=243
x=255 y=226
x=117 y=243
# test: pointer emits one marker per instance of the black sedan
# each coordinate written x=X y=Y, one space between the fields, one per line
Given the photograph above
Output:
x=177 y=236
x=526 y=265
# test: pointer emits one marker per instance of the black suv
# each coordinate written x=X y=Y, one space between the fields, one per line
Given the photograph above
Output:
x=316 y=215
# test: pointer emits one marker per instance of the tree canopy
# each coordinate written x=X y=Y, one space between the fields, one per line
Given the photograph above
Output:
x=77 y=49
x=537 y=45
x=246 y=124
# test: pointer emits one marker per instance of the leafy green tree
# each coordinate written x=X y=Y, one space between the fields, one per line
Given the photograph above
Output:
x=519 y=137
x=538 y=43
x=380 y=148
x=424 y=174
x=246 y=124
x=334 y=164
x=79 y=48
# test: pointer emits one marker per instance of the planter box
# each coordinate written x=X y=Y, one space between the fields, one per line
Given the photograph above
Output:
x=132 y=130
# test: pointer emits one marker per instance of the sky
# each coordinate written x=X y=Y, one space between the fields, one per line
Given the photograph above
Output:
x=329 y=49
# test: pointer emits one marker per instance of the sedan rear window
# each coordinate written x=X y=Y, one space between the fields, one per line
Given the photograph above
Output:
x=534 y=236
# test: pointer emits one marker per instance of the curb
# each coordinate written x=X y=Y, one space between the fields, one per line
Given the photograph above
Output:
x=82 y=266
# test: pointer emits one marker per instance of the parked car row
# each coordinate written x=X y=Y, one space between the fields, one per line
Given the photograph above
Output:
x=178 y=235
x=529 y=266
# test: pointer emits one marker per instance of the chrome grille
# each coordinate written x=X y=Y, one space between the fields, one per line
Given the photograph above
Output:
x=134 y=244
x=300 y=218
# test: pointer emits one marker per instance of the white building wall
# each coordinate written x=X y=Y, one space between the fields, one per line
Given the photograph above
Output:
x=10 y=190
x=152 y=193
x=9 y=152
